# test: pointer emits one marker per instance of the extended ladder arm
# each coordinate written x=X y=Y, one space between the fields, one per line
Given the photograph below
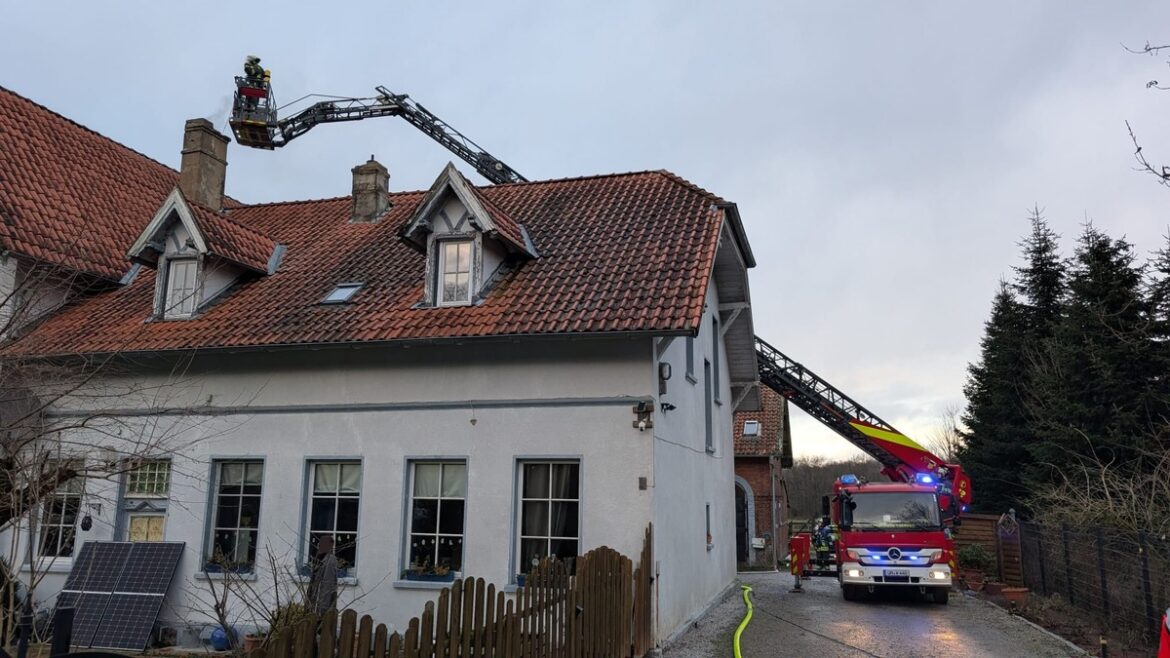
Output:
x=903 y=459
x=255 y=123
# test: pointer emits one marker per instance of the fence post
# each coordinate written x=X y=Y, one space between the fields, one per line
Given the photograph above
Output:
x=1101 y=572
x=1147 y=589
x=1067 y=563
x=1040 y=560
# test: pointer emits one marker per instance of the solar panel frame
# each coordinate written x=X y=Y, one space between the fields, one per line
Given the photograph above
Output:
x=88 y=610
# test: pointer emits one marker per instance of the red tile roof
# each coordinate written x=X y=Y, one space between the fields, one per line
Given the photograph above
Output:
x=232 y=240
x=69 y=196
x=618 y=253
x=771 y=418
x=507 y=227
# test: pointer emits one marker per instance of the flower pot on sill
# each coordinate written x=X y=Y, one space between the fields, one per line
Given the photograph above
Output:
x=1015 y=595
x=252 y=642
x=993 y=588
x=430 y=577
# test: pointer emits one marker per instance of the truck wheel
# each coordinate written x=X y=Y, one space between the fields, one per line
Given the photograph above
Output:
x=849 y=592
x=941 y=595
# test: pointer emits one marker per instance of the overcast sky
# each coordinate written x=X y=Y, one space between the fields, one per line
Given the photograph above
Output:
x=883 y=155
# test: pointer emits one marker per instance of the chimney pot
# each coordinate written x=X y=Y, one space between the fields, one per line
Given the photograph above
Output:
x=371 y=187
x=204 y=164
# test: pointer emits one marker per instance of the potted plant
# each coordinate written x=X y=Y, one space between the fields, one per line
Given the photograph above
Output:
x=993 y=587
x=426 y=573
x=1015 y=595
x=974 y=561
x=253 y=641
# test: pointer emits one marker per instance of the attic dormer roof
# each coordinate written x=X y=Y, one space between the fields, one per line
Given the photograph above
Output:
x=213 y=233
x=485 y=215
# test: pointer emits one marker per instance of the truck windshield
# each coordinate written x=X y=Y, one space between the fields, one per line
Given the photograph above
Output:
x=895 y=511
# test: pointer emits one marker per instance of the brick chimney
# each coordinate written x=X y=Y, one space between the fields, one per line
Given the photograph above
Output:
x=204 y=164
x=371 y=185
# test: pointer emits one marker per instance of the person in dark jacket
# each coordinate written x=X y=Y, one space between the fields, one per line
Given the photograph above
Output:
x=252 y=69
x=322 y=594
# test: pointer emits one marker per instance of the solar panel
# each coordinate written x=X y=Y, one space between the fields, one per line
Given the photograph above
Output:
x=98 y=566
x=150 y=568
x=87 y=614
x=117 y=590
x=127 y=622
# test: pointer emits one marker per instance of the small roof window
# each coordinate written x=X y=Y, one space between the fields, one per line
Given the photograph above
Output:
x=342 y=293
x=751 y=428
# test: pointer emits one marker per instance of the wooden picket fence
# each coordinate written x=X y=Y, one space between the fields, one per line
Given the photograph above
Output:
x=603 y=610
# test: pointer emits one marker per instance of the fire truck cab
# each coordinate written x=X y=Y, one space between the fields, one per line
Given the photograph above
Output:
x=892 y=535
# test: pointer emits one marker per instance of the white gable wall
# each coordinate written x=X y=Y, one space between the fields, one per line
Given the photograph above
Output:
x=687 y=479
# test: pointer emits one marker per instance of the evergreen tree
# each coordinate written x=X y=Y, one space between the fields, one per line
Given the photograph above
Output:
x=1158 y=301
x=1041 y=281
x=1090 y=389
x=995 y=415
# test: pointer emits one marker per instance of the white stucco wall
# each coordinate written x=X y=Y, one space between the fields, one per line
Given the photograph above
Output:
x=569 y=399
x=687 y=479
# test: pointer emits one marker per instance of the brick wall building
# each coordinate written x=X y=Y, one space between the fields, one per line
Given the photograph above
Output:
x=763 y=448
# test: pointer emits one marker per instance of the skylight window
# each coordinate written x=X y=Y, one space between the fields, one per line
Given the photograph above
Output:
x=342 y=293
x=751 y=428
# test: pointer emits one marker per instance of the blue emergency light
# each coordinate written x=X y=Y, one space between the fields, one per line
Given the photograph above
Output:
x=925 y=478
x=849 y=479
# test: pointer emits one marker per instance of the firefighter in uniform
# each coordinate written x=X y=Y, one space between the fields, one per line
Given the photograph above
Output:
x=253 y=71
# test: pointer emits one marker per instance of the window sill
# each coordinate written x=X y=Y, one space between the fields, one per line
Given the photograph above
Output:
x=60 y=565
x=422 y=584
x=710 y=451
x=342 y=581
x=213 y=575
x=691 y=378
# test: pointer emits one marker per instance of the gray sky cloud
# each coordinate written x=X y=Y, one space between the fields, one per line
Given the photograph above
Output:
x=883 y=155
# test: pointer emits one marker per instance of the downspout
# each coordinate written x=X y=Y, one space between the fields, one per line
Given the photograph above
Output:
x=775 y=534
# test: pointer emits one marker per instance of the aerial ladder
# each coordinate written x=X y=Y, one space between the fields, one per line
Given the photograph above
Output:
x=902 y=459
x=255 y=121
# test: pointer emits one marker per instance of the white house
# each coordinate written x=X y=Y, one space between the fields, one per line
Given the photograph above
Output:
x=452 y=381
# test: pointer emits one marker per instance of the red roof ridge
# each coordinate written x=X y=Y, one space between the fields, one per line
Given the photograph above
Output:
x=691 y=186
x=570 y=179
x=88 y=129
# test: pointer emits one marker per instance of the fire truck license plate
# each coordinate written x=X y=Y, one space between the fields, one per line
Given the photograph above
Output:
x=896 y=573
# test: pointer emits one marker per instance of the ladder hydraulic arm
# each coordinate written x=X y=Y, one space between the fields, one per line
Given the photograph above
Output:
x=902 y=459
x=255 y=123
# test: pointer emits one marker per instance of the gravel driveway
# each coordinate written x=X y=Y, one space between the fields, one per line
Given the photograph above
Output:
x=820 y=624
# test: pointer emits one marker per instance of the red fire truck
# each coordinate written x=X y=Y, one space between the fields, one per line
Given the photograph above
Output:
x=883 y=535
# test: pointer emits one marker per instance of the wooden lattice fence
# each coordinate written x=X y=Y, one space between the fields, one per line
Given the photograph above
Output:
x=603 y=609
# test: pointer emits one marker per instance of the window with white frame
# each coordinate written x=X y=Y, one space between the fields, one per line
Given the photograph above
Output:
x=751 y=428
x=181 y=287
x=59 y=519
x=438 y=505
x=236 y=488
x=454 y=280
x=550 y=511
x=335 y=491
x=151 y=479
x=144 y=500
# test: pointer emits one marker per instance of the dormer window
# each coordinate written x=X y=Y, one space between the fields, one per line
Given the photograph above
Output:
x=200 y=255
x=751 y=428
x=455 y=272
x=469 y=241
x=182 y=288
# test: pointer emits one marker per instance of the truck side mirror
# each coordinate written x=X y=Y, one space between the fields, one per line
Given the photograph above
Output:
x=825 y=508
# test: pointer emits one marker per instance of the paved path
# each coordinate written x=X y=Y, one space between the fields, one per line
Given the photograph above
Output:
x=820 y=624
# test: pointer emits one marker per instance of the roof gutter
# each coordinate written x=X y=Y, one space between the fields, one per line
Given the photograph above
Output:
x=403 y=343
